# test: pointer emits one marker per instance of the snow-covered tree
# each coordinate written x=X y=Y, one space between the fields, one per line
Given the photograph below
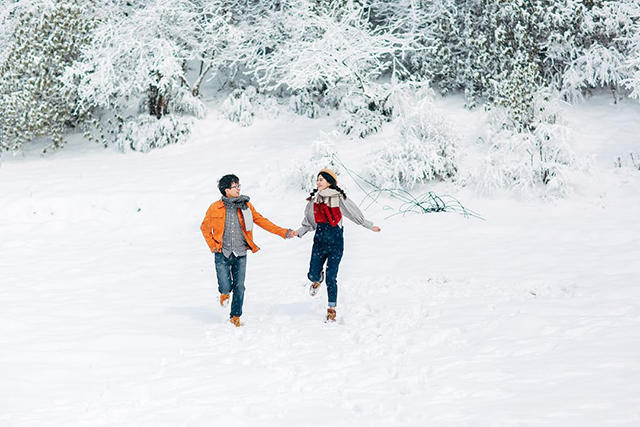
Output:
x=152 y=59
x=139 y=57
x=9 y=12
x=328 y=53
x=528 y=140
x=426 y=149
x=321 y=47
x=46 y=37
x=470 y=44
x=595 y=55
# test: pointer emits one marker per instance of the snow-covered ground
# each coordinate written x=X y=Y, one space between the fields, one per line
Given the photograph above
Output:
x=109 y=315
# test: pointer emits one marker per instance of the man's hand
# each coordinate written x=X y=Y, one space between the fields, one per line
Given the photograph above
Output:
x=376 y=229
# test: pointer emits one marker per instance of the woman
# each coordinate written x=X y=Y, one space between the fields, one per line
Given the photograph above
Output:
x=323 y=213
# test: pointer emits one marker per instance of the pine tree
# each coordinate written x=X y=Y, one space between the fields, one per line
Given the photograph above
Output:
x=33 y=100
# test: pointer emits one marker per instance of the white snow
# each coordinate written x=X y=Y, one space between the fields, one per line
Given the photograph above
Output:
x=109 y=315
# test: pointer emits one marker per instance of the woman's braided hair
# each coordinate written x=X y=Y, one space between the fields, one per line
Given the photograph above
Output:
x=332 y=184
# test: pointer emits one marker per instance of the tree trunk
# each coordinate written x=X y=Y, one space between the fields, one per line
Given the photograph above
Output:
x=157 y=102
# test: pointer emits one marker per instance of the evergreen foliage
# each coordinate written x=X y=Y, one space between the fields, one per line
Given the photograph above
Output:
x=34 y=102
x=529 y=142
x=470 y=44
x=131 y=73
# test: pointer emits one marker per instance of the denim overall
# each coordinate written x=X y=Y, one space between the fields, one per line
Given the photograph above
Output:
x=328 y=245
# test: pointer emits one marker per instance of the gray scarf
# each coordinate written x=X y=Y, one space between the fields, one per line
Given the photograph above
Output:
x=240 y=203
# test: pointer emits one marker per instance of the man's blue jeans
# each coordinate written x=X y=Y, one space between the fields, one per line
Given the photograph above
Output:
x=328 y=246
x=230 y=272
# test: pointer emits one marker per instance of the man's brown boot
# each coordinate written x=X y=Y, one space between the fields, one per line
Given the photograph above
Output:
x=236 y=321
x=224 y=300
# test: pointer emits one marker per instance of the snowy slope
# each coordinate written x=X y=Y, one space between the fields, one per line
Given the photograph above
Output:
x=108 y=313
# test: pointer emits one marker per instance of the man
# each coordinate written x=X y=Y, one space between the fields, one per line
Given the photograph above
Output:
x=228 y=229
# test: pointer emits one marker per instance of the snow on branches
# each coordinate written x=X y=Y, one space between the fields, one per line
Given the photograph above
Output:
x=146 y=132
x=137 y=56
x=324 y=46
x=528 y=140
x=596 y=54
x=45 y=39
x=426 y=148
x=141 y=60
x=303 y=175
x=327 y=55
x=633 y=60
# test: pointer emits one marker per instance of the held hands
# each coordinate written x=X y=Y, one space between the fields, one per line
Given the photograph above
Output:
x=291 y=233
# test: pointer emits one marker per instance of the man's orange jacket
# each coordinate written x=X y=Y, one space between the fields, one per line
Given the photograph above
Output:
x=213 y=226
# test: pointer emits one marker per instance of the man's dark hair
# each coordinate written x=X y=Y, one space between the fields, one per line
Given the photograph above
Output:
x=226 y=182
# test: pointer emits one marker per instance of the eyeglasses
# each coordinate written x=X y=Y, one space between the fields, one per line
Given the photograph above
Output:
x=235 y=186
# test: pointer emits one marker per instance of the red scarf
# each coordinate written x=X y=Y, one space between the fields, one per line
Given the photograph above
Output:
x=326 y=207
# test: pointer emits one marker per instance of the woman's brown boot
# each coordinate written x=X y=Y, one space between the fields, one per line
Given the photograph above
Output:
x=315 y=286
x=331 y=314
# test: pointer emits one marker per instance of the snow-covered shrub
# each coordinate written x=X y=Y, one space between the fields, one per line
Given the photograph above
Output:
x=145 y=132
x=360 y=121
x=303 y=174
x=304 y=102
x=34 y=102
x=524 y=155
x=267 y=106
x=404 y=99
x=362 y=113
x=425 y=151
x=528 y=140
x=595 y=55
x=597 y=66
x=243 y=106
x=238 y=107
